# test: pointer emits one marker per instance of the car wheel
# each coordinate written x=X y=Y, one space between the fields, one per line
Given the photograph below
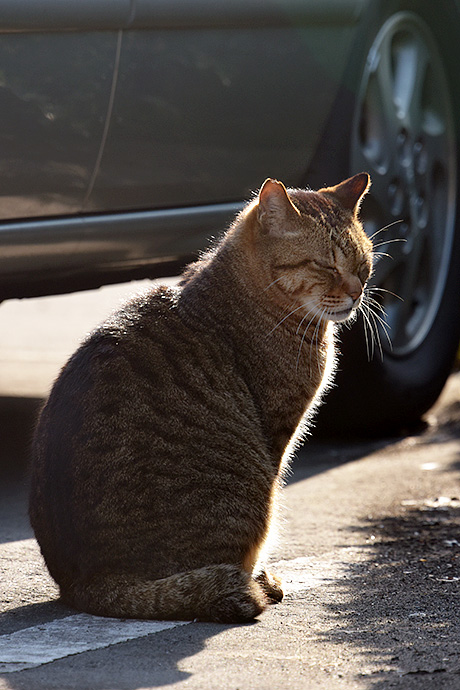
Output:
x=395 y=362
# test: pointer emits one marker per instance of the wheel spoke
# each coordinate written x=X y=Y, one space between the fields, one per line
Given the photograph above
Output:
x=409 y=286
x=378 y=125
x=411 y=65
x=386 y=86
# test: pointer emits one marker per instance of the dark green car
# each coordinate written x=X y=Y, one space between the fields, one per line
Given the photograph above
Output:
x=133 y=130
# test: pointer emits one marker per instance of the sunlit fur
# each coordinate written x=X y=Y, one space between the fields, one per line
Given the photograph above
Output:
x=326 y=278
x=159 y=456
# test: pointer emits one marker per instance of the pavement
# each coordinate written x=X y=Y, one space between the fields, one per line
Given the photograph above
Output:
x=369 y=552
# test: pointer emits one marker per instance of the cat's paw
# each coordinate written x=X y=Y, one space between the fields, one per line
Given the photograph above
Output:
x=271 y=584
x=240 y=606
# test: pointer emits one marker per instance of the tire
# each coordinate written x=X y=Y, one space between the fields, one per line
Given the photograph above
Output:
x=404 y=132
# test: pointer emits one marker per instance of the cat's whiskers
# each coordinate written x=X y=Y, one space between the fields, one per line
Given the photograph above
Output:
x=273 y=282
x=385 y=227
x=294 y=311
x=383 y=324
x=370 y=330
x=313 y=309
x=370 y=309
x=373 y=331
x=385 y=242
x=375 y=304
x=380 y=255
x=381 y=289
x=368 y=337
x=284 y=319
x=286 y=311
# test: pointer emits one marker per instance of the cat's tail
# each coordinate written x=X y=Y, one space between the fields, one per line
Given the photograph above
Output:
x=222 y=593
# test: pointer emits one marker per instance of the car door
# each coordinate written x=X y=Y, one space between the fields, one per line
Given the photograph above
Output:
x=56 y=76
x=214 y=97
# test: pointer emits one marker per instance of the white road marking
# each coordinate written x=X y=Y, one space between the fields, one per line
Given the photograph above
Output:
x=41 y=644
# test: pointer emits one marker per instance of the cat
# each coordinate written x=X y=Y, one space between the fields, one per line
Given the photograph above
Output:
x=158 y=457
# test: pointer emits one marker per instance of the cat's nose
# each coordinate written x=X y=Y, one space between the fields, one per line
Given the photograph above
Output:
x=356 y=294
x=354 y=288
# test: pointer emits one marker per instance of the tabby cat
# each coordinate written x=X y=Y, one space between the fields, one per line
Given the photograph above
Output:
x=160 y=452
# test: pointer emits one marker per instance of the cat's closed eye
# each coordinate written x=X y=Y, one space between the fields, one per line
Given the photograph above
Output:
x=323 y=266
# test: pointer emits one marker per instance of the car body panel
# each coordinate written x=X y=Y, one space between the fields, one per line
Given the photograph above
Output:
x=202 y=116
x=54 y=95
x=43 y=15
x=53 y=15
x=242 y=13
x=66 y=254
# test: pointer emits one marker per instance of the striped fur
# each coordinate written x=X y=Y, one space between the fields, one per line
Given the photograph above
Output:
x=158 y=457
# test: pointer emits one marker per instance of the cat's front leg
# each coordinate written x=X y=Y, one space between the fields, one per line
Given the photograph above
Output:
x=271 y=584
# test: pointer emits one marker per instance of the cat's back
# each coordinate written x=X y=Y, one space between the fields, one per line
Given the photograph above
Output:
x=112 y=359
x=146 y=368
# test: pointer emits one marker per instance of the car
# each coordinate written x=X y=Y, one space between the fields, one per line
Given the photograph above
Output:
x=132 y=131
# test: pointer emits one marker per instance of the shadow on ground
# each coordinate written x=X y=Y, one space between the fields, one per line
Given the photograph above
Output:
x=147 y=662
x=321 y=455
x=43 y=612
x=18 y=417
x=400 y=608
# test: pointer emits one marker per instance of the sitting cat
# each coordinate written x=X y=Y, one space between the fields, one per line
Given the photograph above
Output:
x=159 y=455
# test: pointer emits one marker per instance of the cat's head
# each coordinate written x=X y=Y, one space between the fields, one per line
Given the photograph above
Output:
x=315 y=251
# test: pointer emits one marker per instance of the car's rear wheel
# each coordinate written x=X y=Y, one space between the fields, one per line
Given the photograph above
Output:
x=404 y=134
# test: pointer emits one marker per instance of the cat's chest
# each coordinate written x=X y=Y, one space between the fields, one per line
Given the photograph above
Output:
x=287 y=383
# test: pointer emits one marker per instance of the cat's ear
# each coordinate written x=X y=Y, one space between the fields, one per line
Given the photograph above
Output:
x=351 y=192
x=275 y=211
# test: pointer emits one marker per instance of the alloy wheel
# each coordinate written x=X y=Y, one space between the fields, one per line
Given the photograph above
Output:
x=404 y=136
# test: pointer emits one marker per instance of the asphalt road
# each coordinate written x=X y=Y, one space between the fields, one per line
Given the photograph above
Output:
x=369 y=552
